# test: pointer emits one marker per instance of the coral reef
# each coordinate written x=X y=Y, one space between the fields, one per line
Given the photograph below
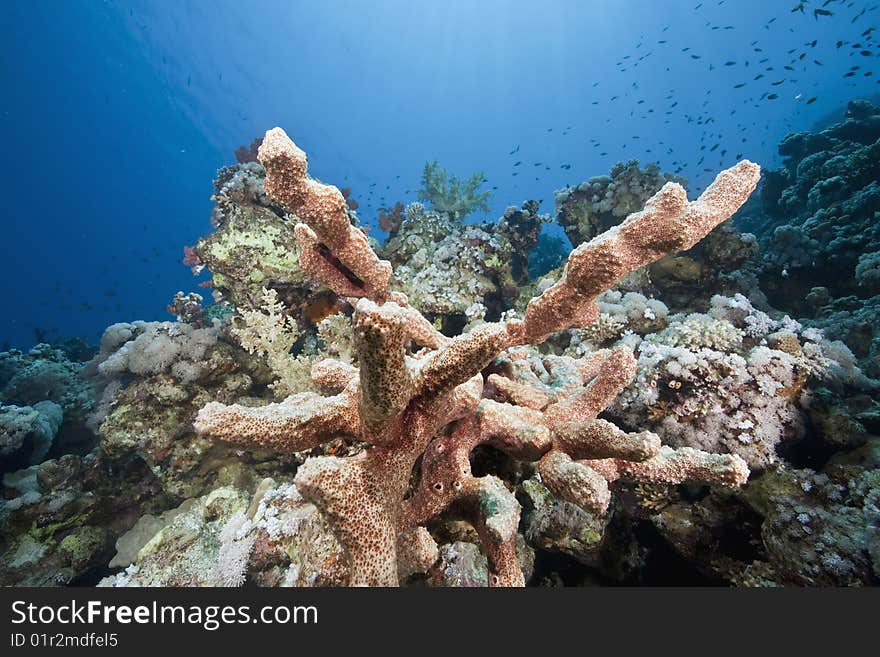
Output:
x=253 y=246
x=457 y=273
x=787 y=527
x=61 y=518
x=853 y=321
x=476 y=404
x=820 y=229
x=192 y=545
x=733 y=380
x=45 y=373
x=400 y=401
x=816 y=530
x=726 y=384
x=187 y=308
x=556 y=525
x=680 y=279
x=155 y=376
x=274 y=538
x=27 y=432
x=45 y=405
x=601 y=202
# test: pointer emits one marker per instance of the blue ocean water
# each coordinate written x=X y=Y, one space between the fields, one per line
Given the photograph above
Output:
x=117 y=114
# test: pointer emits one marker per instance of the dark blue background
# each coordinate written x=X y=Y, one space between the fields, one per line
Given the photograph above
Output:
x=116 y=115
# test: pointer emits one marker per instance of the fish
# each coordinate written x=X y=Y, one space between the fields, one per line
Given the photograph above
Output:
x=322 y=306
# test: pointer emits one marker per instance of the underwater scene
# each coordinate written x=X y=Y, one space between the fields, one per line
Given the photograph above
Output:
x=440 y=294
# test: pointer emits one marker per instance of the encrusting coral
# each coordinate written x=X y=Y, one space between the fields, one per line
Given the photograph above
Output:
x=400 y=401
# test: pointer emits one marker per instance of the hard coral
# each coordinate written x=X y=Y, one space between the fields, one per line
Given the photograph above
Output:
x=454 y=272
x=326 y=238
x=427 y=406
x=597 y=204
x=820 y=210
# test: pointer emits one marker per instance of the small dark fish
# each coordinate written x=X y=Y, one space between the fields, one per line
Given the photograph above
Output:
x=811 y=101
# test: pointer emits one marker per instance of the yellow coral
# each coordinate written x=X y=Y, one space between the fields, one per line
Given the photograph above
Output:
x=271 y=333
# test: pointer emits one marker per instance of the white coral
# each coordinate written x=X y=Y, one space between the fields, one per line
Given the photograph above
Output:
x=146 y=348
x=270 y=332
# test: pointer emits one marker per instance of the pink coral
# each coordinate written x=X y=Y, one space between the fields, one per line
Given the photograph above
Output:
x=430 y=405
x=667 y=224
x=333 y=251
x=191 y=256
